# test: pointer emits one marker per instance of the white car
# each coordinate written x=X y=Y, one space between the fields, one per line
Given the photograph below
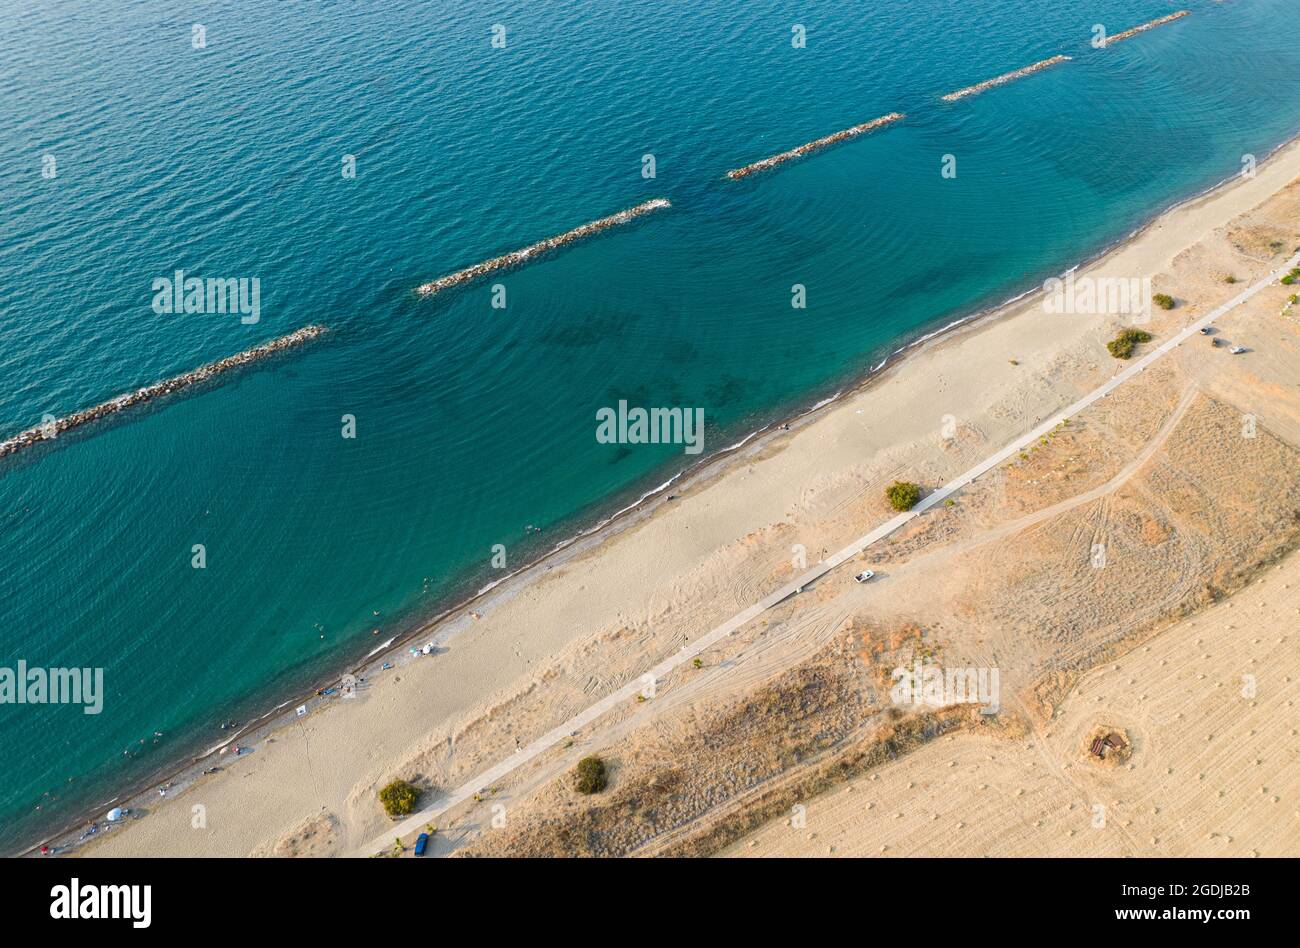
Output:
x=865 y=575
x=1237 y=350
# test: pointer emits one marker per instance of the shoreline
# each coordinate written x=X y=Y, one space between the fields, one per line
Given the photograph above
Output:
x=449 y=621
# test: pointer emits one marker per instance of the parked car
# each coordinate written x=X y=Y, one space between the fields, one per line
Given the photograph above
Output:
x=421 y=844
x=865 y=575
x=1238 y=350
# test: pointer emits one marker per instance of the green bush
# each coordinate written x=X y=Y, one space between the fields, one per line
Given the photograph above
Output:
x=1122 y=346
x=590 y=775
x=903 y=495
x=1291 y=277
x=1163 y=300
x=399 y=798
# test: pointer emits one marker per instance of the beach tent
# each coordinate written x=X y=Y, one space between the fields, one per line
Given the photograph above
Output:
x=114 y=814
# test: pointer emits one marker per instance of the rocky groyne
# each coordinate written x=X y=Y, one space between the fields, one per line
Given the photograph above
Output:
x=1005 y=78
x=812 y=146
x=518 y=257
x=1120 y=37
x=50 y=430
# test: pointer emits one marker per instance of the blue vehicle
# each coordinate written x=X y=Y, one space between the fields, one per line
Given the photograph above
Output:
x=421 y=844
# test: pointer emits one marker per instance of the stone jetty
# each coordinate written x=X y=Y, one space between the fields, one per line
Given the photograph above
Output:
x=1005 y=78
x=747 y=170
x=52 y=429
x=519 y=257
x=1120 y=37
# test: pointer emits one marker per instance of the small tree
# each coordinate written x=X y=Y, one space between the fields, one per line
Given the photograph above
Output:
x=1122 y=346
x=903 y=495
x=1163 y=300
x=590 y=776
x=399 y=798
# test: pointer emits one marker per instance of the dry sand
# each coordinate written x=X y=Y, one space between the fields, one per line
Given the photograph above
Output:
x=1214 y=770
x=550 y=643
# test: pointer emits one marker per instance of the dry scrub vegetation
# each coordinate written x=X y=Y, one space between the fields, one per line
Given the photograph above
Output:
x=701 y=781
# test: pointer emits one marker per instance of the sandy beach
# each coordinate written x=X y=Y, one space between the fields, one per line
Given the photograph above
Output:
x=560 y=636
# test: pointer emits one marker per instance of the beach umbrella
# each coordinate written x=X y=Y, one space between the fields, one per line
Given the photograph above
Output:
x=114 y=814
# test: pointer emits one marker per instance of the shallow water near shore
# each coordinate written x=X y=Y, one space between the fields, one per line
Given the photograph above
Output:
x=474 y=423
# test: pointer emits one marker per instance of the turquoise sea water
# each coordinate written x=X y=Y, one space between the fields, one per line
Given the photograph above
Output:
x=473 y=422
